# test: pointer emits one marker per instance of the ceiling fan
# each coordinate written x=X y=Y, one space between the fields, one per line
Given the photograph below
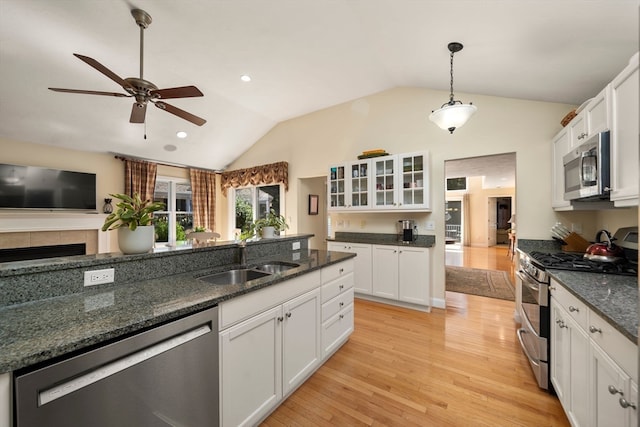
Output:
x=142 y=90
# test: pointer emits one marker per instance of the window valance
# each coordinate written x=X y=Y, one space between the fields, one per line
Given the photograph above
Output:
x=273 y=173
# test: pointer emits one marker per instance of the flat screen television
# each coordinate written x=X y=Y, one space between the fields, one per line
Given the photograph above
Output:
x=31 y=187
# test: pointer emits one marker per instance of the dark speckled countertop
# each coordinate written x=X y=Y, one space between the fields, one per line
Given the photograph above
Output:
x=613 y=297
x=39 y=330
x=422 y=241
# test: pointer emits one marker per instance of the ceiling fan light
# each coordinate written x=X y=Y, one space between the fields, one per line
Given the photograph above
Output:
x=450 y=117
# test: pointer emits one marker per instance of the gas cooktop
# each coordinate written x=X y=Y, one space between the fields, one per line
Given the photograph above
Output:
x=576 y=262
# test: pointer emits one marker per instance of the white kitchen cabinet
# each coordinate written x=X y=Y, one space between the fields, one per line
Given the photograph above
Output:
x=362 y=263
x=577 y=130
x=413 y=274
x=598 y=112
x=570 y=365
x=401 y=182
x=401 y=273
x=614 y=403
x=625 y=98
x=349 y=186
x=560 y=149
x=337 y=306
x=589 y=380
x=265 y=357
x=251 y=369
x=5 y=399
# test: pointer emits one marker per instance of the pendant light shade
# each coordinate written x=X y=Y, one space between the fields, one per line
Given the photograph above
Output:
x=452 y=114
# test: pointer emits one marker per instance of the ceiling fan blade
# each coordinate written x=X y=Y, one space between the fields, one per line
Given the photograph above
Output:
x=104 y=70
x=177 y=92
x=180 y=113
x=90 y=92
x=138 y=113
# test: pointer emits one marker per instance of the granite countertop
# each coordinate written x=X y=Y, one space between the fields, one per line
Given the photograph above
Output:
x=613 y=297
x=40 y=330
x=423 y=241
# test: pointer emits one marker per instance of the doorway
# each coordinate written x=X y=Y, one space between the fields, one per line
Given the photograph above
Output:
x=310 y=222
x=480 y=200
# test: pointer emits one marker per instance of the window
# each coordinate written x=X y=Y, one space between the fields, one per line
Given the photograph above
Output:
x=171 y=224
x=252 y=203
x=456 y=184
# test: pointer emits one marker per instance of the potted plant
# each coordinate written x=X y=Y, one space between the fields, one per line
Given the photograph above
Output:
x=271 y=224
x=133 y=220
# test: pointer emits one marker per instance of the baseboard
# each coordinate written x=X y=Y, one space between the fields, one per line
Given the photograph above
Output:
x=438 y=303
x=403 y=304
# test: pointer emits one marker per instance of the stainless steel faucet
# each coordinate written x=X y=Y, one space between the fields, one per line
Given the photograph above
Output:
x=243 y=252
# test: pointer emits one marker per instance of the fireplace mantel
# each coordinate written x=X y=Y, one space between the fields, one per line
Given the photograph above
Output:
x=28 y=222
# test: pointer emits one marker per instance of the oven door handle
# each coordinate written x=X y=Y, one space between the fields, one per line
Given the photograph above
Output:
x=527 y=281
x=519 y=332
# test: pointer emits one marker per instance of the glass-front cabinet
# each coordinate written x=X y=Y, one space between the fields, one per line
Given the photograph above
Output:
x=337 y=187
x=348 y=186
x=393 y=182
x=385 y=169
x=413 y=184
x=359 y=184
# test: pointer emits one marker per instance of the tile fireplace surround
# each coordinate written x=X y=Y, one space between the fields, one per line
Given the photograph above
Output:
x=30 y=229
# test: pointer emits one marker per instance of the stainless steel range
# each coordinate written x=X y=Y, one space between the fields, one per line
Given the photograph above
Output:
x=533 y=286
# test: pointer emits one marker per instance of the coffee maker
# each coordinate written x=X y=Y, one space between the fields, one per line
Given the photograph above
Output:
x=407 y=231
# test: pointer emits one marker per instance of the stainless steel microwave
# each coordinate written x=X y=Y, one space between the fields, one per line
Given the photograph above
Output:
x=587 y=170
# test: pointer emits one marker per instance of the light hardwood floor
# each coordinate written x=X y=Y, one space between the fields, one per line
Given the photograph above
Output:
x=462 y=366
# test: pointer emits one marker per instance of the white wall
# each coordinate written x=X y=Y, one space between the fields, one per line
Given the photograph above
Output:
x=397 y=121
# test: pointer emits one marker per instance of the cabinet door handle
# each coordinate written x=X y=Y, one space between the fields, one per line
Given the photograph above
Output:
x=563 y=325
x=593 y=329
x=341 y=287
x=572 y=308
x=288 y=315
x=614 y=390
x=280 y=318
x=341 y=270
x=341 y=304
x=626 y=404
x=341 y=316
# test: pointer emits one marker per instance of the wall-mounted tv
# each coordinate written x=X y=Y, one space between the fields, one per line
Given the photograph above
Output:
x=31 y=187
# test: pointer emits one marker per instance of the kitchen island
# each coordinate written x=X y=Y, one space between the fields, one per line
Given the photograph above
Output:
x=47 y=313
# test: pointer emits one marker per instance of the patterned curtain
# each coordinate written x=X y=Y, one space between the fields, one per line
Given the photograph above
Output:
x=203 y=195
x=139 y=177
x=272 y=173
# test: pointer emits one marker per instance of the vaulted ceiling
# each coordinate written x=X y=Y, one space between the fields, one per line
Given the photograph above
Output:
x=302 y=55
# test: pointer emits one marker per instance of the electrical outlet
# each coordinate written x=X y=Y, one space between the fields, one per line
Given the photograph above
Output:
x=296 y=246
x=98 y=277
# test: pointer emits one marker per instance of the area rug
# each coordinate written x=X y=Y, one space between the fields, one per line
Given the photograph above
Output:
x=474 y=281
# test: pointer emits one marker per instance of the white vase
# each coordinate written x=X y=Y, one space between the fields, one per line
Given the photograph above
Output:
x=268 y=232
x=139 y=241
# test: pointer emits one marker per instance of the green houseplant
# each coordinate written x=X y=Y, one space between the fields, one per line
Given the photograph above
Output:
x=133 y=220
x=271 y=224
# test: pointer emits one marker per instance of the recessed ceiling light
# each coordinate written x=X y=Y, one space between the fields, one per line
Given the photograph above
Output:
x=245 y=78
x=170 y=147
x=182 y=134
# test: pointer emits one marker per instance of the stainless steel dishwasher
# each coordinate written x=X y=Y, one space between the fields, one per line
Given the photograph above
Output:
x=165 y=376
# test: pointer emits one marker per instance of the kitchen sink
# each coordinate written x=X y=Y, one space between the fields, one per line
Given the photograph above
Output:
x=232 y=277
x=276 y=267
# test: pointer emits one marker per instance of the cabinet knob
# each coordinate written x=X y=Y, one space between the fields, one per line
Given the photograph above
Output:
x=562 y=325
x=280 y=319
x=593 y=329
x=614 y=390
x=341 y=304
x=626 y=404
x=572 y=309
x=341 y=316
x=288 y=315
x=341 y=270
x=341 y=287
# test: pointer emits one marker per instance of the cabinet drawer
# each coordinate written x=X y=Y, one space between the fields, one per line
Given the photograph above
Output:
x=616 y=345
x=336 y=330
x=576 y=308
x=333 y=289
x=245 y=306
x=334 y=271
x=332 y=307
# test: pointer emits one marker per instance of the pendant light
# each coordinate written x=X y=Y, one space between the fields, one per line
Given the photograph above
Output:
x=452 y=114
